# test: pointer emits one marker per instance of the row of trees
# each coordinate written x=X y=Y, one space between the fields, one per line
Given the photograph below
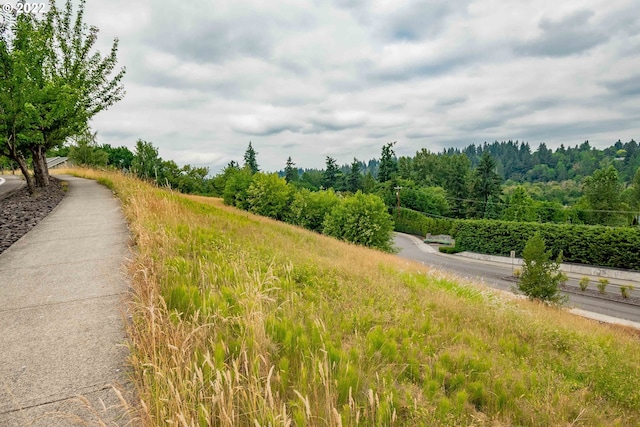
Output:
x=51 y=84
x=354 y=217
x=449 y=186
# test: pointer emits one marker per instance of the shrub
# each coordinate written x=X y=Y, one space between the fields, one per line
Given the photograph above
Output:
x=361 y=219
x=269 y=195
x=309 y=209
x=540 y=274
x=449 y=249
x=235 y=189
x=517 y=273
x=419 y=224
x=626 y=291
x=584 y=283
x=602 y=285
x=617 y=247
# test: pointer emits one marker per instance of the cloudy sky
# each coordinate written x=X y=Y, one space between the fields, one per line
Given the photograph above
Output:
x=340 y=78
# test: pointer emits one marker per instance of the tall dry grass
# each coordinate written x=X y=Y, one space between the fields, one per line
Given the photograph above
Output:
x=243 y=321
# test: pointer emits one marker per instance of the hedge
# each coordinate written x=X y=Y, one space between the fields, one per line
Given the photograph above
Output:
x=417 y=223
x=617 y=247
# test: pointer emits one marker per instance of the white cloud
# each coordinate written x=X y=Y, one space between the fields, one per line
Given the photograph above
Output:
x=307 y=79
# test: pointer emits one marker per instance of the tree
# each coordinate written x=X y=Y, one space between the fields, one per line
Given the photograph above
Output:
x=486 y=185
x=78 y=83
x=269 y=195
x=309 y=209
x=236 y=186
x=146 y=162
x=290 y=172
x=354 y=179
x=521 y=206
x=56 y=83
x=86 y=152
x=429 y=200
x=362 y=219
x=456 y=182
x=118 y=157
x=331 y=174
x=388 y=164
x=635 y=192
x=541 y=276
x=250 y=161
x=602 y=193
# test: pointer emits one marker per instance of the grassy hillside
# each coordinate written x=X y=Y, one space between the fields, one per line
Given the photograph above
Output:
x=243 y=321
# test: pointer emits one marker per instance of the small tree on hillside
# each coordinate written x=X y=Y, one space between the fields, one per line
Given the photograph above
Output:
x=541 y=277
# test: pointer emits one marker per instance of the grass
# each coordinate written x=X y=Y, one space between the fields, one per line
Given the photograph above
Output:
x=243 y=321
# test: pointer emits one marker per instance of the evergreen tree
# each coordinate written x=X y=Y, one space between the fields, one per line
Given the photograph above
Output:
x=486 y=185
x=331 y=174
x=250 y=161
x=290 y=172
x=388 y=164
x=540 y=274
x=354 y=179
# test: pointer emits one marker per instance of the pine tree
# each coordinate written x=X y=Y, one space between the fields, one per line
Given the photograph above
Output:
x=388 y=163
x=486 y=184
x=250 y=159
x=354 y=180
x=290 y=172
x=331 y=174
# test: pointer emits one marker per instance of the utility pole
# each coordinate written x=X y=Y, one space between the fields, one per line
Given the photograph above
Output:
x=397 y=188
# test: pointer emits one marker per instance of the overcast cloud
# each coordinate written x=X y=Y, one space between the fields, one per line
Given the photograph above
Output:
x=309 y=78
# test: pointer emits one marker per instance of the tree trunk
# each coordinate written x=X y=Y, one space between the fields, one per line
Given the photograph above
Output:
x=40 y=169
x=22 y=163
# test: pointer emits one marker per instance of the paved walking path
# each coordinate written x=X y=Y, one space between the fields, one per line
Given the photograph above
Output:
x=62 y=288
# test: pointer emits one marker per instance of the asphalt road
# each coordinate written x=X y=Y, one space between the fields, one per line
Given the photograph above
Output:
x=491 y=274
x=9 y=183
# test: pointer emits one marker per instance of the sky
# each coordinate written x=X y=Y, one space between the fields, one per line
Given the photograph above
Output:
x=341 y=78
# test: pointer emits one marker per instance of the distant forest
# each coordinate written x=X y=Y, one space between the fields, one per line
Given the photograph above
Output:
x=517 y=163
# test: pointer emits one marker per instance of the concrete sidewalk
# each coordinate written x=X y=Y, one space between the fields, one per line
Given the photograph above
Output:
x=62 y=336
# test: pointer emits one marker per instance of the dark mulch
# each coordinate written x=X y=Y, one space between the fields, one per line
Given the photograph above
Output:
x=20 y=212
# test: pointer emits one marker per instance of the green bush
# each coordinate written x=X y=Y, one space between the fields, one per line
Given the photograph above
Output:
x=617 y=247
x=449 y=249
x=361 y=219
x=417 y=223
x=584 y=283
x=602 y=285
x=269 y=195
x=309 y=209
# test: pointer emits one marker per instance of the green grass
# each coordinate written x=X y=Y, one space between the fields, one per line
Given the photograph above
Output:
x=239 y=320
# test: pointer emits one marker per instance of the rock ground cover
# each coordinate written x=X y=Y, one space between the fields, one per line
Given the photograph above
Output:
x=20 y=212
